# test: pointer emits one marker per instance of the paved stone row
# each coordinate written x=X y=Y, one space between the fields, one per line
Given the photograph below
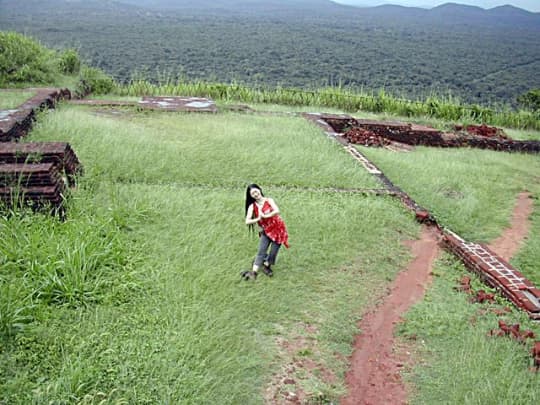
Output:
x=29 y=174
x=15 y=123
x=172 y=103
x=37 y=174
x=59 y=153
x=495 y=272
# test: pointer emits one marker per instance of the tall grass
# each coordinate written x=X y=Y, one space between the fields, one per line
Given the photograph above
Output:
x=234 y=149
x=170 y=187
x=70 y=263
x=15 y=310
x=446 y=108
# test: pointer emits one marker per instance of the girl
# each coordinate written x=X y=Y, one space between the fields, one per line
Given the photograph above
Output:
x=273 y=233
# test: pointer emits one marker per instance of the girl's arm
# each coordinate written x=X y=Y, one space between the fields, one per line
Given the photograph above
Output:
x=249 y=215
x=273 y=212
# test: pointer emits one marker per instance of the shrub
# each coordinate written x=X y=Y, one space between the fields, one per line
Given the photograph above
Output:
x=530 y=100
x=69 y=61
x=23 y=59
x=94 y=81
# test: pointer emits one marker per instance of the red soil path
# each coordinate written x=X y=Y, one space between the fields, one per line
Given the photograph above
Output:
x=374 y=375
x=510 y=241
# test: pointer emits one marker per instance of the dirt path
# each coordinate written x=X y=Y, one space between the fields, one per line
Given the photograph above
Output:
x=510 y=241
x=374 y=376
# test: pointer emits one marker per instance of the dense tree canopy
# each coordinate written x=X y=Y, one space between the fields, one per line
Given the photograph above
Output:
x=482 y=57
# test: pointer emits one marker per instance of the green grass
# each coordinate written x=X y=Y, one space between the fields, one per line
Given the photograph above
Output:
x=470 y=191
x=528 y=257
x=185 y=328
x=226 y=104
x=10 y=99
x=229 y=150
x=276 y=108
x=523 y=135
x=137 y=298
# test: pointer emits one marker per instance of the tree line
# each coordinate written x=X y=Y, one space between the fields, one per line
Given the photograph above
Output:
x=477 y=63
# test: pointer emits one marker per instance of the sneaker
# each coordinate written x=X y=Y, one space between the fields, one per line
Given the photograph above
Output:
x=267 y=270
x=249 y=275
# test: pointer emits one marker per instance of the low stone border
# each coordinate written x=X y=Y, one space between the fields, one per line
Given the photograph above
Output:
x=15 y=123
x=496 y=273
x=59 y=153
x=413 y=134
x=187 y=104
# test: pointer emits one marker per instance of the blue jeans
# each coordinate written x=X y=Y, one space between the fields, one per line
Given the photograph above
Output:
x=262 y=253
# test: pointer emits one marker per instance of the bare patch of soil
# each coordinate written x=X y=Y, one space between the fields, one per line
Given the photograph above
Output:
x=298 y=354
x=374 y=375
x=510 y=241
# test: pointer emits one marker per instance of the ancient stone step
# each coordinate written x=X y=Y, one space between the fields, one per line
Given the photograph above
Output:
x=59 y=153
x=35 y=194
x=29 y=174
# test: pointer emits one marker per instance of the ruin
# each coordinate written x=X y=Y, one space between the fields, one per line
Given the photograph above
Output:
x=162 y=103
x=15 y=123
x=492 y=269
x=35 y=174
x=383 y=133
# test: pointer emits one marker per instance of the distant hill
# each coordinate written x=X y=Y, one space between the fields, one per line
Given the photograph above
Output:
x=511 y=11
x=456 y=14
x=497 y=15
x=487 y=56
x=449 y=13
x=233 y=5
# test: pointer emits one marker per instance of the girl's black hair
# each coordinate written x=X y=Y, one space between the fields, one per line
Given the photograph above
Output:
x=250 y=200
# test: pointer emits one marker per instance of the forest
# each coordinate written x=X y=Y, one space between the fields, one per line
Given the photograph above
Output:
x=480 y=56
